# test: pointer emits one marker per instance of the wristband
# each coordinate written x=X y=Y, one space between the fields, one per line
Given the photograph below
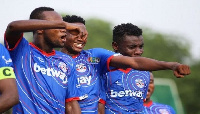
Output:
x=6 y=72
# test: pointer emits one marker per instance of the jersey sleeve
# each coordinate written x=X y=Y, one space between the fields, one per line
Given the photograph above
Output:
x=16 y=52
x=5 y=60
x=6 y=65
x=74 y=92
x=104 y=57
x=103 y=91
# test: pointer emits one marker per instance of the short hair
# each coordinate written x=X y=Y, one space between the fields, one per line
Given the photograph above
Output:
x=37 y=12
x=120 y=31
x=74 y=19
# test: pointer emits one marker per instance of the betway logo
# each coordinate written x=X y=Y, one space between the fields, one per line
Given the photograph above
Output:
x=84 y=80
x=51 y=72
x=126 y=93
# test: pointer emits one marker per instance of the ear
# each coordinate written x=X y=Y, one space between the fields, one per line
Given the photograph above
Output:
x=115 y=46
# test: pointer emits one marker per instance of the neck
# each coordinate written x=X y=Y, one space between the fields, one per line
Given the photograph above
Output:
x=68 y=52
x=147 y=101
x=42 y=45
x=148 y=104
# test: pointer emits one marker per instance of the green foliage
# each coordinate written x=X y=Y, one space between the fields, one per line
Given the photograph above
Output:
x=189 y=90
x=165 y=47
x=100 y=34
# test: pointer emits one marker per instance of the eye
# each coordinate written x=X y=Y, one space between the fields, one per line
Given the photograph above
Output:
x=141 y=46
x=74 y=32
x=132 y=47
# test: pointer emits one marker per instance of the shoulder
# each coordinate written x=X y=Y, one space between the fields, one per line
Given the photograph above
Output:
x=98 y=49
x=59 y=53
x=3 y=48
x=164 y=106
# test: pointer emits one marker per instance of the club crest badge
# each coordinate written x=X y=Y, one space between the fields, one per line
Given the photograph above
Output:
x=139 y=83
x=81 y=67
x=62 y=66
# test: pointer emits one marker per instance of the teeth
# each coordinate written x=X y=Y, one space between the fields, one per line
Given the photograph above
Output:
x=78 y=45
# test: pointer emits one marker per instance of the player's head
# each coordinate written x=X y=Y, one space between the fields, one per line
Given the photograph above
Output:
x=128 y=40
x=151 y=87
x=74 y=43
x=73 y=19
x=50 y=37
x=37 y=13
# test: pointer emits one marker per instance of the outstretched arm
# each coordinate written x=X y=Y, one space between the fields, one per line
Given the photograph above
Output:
x=147 y=64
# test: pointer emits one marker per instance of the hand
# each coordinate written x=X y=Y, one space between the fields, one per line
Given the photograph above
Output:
x=77 y=29
x=181 y=70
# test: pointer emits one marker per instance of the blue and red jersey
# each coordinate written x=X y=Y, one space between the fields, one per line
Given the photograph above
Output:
x=157 y=108
x=45 y=80
x=125 y=91
x=90 y=66
x=5 y=60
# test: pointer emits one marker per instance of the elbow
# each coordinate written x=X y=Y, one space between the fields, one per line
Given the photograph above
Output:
x=11 y=27
x=14 y=99
x=14 y=26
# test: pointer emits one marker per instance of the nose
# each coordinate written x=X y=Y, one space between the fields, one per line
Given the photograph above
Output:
x=63 y=30
x=82 y=37
x=138 y=51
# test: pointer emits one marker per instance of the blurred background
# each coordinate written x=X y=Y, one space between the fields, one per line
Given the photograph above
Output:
x=170 y=31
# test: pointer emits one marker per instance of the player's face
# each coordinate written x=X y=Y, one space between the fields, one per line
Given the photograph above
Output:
x=54 y=37
x=131 y=46
x=151 y=86
x=75 y=43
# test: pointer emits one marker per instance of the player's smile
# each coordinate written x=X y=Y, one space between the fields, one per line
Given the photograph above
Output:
x=79 y=45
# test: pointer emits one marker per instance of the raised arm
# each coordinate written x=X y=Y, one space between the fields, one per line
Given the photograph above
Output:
x=147 y=64
x=16 y=28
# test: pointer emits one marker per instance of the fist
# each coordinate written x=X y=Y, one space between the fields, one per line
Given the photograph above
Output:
x=182 y=70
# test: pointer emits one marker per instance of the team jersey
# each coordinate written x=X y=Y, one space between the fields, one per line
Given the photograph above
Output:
x=5 y=60
x=90 y=66
x=45 y=80
x=6 y=66
x=157 y=108
x=125 y=91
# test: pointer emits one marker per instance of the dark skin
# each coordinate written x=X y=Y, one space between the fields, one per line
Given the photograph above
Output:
x=133 y=49
x=71 y=107
x=73 y=46
x=138 y=63
x=101 y=108
x=50 y=33
x=131 y=46
x=75 y=43
x=52 y=25
x=9 y=94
